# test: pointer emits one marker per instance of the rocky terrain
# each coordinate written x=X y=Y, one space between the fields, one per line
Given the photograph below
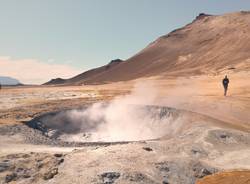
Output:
x=185 y=131
x=193 y=147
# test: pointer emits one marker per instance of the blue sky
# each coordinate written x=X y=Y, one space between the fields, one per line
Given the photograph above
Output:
x=88 y=33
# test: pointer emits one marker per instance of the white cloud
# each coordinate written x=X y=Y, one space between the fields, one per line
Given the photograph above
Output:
x=31 y=71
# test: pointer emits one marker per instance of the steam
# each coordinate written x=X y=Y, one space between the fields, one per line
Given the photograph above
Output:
x=126 y=118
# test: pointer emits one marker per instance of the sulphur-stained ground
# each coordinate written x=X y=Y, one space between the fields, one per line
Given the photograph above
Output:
x=211 y=143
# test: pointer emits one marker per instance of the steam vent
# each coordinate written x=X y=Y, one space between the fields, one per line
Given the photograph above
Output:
x=133 y=123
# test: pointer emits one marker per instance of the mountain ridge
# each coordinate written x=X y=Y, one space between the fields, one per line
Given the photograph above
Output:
x=210 y=44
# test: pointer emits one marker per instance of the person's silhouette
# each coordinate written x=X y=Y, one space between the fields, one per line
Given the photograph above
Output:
x=225 y=83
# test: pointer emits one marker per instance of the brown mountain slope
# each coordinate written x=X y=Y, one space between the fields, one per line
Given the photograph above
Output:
x=208 y=45
x=79 y=79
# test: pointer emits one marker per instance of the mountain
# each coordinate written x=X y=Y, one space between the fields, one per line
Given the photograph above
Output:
x=55 y=81
x=211 y=44
x=86 y=75
x=8 y=81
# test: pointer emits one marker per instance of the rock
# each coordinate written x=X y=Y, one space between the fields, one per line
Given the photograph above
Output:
x=200 y=170
x=147 y=148
x=202 y=15
x=109 y=177
x=138 y=177
x=60 y=161
x=50 y=174
x=224 y=136
x=165 y=181
x=24 y=173
x=4 y=166
x=58 y=155
x=163 y=166
x=204 y=172
x=116 y=61
x=135 y=177
x=10 y=177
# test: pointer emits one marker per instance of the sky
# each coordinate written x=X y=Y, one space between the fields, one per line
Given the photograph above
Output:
x=44 y=39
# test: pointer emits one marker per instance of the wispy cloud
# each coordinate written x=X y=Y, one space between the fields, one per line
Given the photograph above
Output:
x=31 y=71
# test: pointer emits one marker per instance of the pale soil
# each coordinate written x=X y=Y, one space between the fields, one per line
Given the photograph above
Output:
x=215 y=139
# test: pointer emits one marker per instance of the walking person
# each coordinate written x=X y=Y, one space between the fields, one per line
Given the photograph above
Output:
x=225 y=83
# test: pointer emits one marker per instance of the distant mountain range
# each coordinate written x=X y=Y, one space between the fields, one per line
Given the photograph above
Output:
x=211 y=44
x=8 y=81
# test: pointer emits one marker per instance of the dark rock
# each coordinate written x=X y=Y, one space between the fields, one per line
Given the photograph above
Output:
x=202 y=15
x=26 y=176
x=224 y=136
x=19 y=169
x=165 y=181
x=22 y=172
x=50 y=174
x=201 y=173
x=109 y=177
x=201 y=170
x=163 y=166
x=10 y=177
x=60 y=161
x=116 y=61
x=39 y=165
x=137 y=177
x=4 y=166
x=147 y=148
x=58 y=155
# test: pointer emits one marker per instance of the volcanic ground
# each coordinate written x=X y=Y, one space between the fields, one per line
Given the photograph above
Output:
x=170 y=140
x=158 y=117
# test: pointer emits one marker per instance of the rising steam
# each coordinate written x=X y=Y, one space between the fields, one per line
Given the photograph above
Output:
x=126 y=118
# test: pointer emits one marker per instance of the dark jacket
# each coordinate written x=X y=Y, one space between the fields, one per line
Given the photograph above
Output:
x=225 y=82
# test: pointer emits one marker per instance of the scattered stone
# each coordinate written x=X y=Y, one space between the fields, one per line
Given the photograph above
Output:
x=4 y=166
x=50 y=174
x=147 y=148
x=24 y=173
x=58 y=155
x=138 y=177
x=163 y=166
x=201 y=171
x=109 y=177
x=10 y=177
x=39 y=165
x=224 y=136
x=60 y=161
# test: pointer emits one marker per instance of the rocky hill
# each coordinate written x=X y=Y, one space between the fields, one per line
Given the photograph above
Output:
x=211 y=44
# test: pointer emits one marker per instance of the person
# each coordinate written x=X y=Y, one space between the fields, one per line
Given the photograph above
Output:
x=0 y=86
x=225 y=83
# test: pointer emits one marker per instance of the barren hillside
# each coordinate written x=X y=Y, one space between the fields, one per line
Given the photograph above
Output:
x=209 y=45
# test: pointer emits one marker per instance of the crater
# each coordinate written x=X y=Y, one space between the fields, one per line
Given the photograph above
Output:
x=102 y=122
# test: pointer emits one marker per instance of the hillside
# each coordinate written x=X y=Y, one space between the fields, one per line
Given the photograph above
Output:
x=86 y=75
x=8 y=81
x=209 y=45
